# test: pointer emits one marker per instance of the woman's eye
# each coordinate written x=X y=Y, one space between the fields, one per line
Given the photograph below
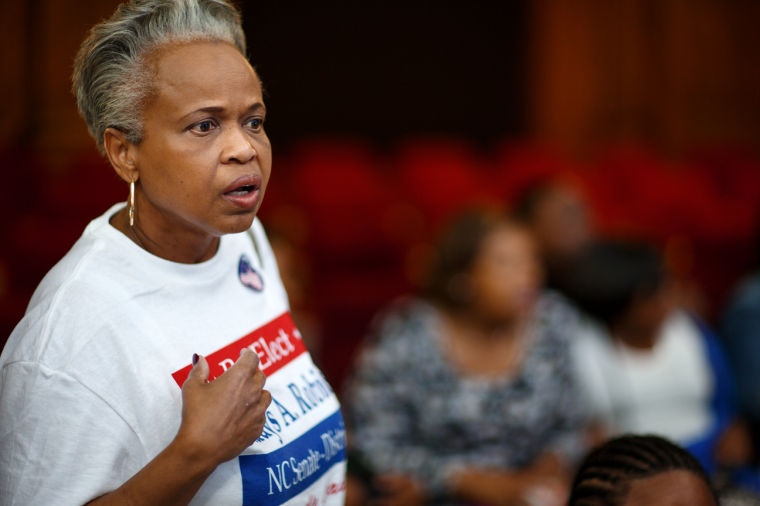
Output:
x=255 y=123
x=204 y=126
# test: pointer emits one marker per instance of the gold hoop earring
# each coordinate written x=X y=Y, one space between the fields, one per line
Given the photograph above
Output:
x=131 y=207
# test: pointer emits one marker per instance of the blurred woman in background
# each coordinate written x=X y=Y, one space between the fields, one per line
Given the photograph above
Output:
x=645 y=365
x=740 y=327
x=561 y=219
x=464 y=394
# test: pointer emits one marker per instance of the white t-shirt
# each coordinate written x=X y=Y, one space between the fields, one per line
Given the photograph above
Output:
x=90 y=378
x=666 y=390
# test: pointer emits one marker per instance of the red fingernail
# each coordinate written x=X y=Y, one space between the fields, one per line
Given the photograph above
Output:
x=195 y=359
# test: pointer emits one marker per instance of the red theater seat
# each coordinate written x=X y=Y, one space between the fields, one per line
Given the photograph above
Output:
x=440 y=176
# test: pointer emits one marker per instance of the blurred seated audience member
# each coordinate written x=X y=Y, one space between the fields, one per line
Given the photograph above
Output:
x=558 y=214
x=644 y=365
x=740 y=328
x=634 y=470
x=464 y=395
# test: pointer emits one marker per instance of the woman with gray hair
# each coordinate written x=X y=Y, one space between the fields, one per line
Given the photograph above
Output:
x=100 y=401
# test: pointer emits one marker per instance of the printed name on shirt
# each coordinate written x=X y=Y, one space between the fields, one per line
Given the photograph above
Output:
x=308 y=392
x=285 y=473
x=277 y=343
x=336 y=488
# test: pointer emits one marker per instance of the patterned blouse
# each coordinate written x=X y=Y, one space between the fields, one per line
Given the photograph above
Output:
x=410 y=411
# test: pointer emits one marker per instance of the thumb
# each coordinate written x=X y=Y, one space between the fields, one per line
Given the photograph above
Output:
x=249 y=358
x=200 y=371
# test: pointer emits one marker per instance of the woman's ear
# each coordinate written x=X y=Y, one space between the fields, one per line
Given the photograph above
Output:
x=121 y=153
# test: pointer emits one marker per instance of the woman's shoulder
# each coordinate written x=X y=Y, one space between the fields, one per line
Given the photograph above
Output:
x=403 y=317
x=72 y=298
x=61 y=318
x=92 y=271
x=683 y=331
x=401 y=329
x=556 y=308
x=555 y=318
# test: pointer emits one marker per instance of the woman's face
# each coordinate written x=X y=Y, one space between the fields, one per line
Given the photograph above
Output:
x=642 y=322
x=561 y=224
x=506 y=275
x=204 y=161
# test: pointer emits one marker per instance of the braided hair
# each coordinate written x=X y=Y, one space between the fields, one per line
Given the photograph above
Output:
x=605 y=475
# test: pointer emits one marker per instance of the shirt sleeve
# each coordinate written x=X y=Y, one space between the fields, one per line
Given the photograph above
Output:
x=60 y=443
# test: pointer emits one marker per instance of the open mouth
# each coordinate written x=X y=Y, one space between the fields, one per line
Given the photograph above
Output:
x=242 y=190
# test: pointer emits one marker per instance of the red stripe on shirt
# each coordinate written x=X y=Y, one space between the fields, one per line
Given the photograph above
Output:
x=276 y=343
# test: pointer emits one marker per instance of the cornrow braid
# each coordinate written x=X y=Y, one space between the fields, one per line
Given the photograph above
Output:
x=605 y=475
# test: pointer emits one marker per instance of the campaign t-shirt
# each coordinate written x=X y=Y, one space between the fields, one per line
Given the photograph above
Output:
x=90 y=379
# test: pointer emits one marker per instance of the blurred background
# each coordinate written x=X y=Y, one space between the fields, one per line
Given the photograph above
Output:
x=386 y=118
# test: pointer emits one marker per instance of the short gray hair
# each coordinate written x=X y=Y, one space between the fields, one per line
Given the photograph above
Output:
x=112 y=79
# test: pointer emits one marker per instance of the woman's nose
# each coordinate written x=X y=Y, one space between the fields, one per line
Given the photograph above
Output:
x=238 y=146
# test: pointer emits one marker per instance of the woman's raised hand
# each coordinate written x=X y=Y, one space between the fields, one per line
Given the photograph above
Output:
x=219 y=420
x=222 y=418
